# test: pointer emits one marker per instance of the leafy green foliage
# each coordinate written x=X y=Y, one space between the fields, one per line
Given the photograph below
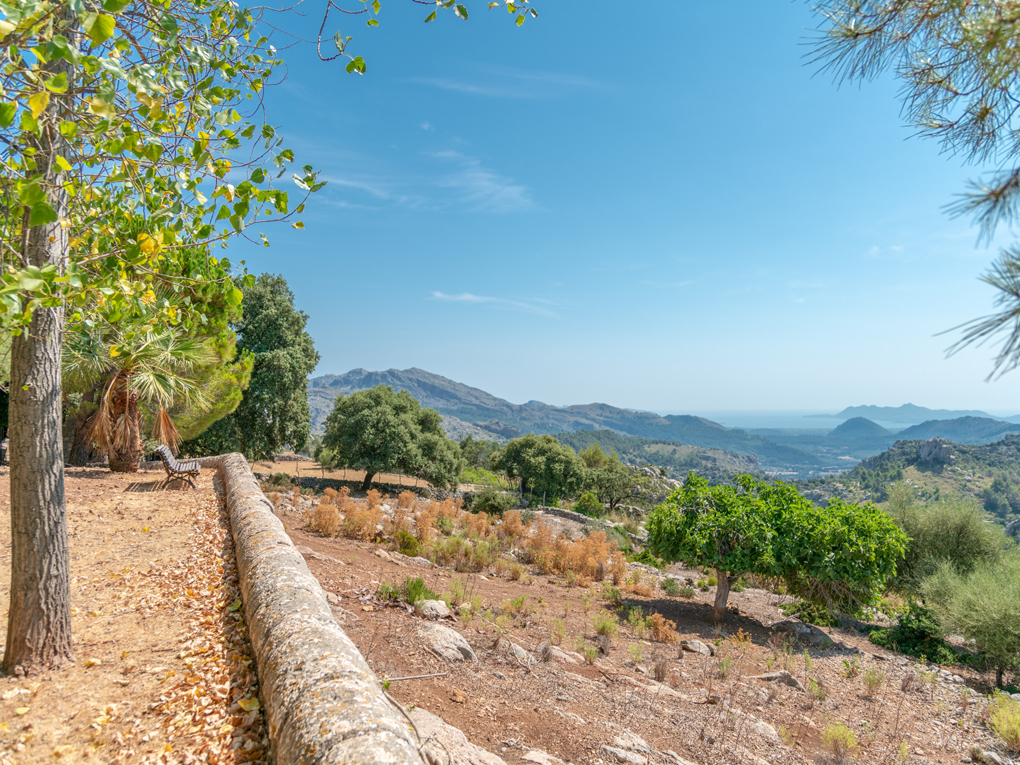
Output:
x=588 y=504
x=955 y=531
x=476 y=453
x=411 y=591
x=493 y=501
x=273 y=413
x=840 y=556
x=984 y=607
x=408 y=544
x=917 y=633
x=380 y=430
x=543 y=466
x=812 y=613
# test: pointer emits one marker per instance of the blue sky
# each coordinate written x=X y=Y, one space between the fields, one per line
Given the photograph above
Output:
x=668 y=209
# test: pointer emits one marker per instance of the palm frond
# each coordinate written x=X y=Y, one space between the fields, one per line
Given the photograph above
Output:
x=165 y=431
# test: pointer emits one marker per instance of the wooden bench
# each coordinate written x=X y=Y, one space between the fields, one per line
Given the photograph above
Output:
x=174 y=469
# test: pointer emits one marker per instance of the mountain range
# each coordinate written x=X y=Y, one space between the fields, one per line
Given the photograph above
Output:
x=502 y=420
x=910 y=414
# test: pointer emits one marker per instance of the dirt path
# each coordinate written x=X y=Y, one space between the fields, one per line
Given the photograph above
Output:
x=162 y=659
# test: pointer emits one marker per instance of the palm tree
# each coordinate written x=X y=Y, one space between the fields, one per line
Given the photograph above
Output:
x=150 y=366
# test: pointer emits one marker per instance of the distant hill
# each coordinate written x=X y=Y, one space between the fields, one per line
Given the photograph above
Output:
x=506 y=420
x=859 y=427
x=934 y=469
x=908 y=414
x=678 y=459
x=968 y=430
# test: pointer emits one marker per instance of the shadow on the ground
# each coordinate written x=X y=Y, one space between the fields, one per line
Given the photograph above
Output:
x=162 y=485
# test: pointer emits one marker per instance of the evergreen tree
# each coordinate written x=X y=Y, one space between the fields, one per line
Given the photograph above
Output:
x=273 y=413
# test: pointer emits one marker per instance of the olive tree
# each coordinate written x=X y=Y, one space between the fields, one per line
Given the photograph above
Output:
x=840 y=555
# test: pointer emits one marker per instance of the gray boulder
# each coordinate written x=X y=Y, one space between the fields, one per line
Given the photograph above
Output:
x=446 y=643
x=432 y=609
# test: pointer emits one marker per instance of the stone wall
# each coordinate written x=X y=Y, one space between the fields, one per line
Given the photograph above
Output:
x=322 y=702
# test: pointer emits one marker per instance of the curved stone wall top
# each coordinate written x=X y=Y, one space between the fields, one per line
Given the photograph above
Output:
x=322 y=702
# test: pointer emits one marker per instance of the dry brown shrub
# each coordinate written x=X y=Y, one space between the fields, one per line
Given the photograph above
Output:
x=477 y=525
x=274 y=497
x=617 y=567
x=360 y=521
x=502 y=566
x=329 y=493
x=516 y=571
x=512 y=527
x=326 y=520
x=425 y=524
x=448 y=509
x=663 y=630
x=538 y=543
x=374 y=498
x=402 y=517
x=343 y=499
x=406 y=500
x=639 y=589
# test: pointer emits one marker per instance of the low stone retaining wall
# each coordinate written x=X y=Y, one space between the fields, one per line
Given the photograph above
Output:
x=322 y=702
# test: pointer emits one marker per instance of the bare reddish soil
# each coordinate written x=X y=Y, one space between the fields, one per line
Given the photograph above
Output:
x=708 y=710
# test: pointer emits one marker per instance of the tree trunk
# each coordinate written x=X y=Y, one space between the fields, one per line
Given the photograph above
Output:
x=39 y=619
x=722 y=594
x=367 y=483
x=126 y=450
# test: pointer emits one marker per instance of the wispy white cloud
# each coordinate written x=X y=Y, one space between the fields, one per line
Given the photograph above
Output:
x=426 y=126
x=481 y=188
x=532 y=305
x=506 y=82
x=457 y=181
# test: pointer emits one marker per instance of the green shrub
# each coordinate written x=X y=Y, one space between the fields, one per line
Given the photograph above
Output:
x=605 y=624
x=415 y=589
x=408 y=545
x=958 y=531
x=647 y=558
x=918 y=634
x=588 y=504
x=1004 y=720
x=670 y=586
x=494 y=502
x=840 y=742
x=479 y=476
x=812 y=613
x=983 y=606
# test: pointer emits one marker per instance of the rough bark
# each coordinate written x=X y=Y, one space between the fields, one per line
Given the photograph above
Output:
x=722 y=594
x=39 y=619
x=367 y=483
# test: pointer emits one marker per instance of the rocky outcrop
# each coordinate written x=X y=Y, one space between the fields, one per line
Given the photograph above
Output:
x=1013 y=529
x=935 y=452
x=323 y=703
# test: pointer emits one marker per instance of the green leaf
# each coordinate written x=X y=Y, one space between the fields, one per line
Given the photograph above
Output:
x=258 y=175
x=430 y=17
x=339 y=42
x=30 y=193
x=520 y=19
x=534 y=13
x=373 y=22
x=42 y=214
x=297 y=224
x=461 y=12
x=99 y=26
x=57 y=84
x=27 y=282
x=376 y=5
x=63 y=164
x=7 y=113
x=115 y=6
x=235 y=296
x=357 y=65
x=494 y=5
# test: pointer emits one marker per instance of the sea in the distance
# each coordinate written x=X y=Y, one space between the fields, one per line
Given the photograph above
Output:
x=779 y=420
